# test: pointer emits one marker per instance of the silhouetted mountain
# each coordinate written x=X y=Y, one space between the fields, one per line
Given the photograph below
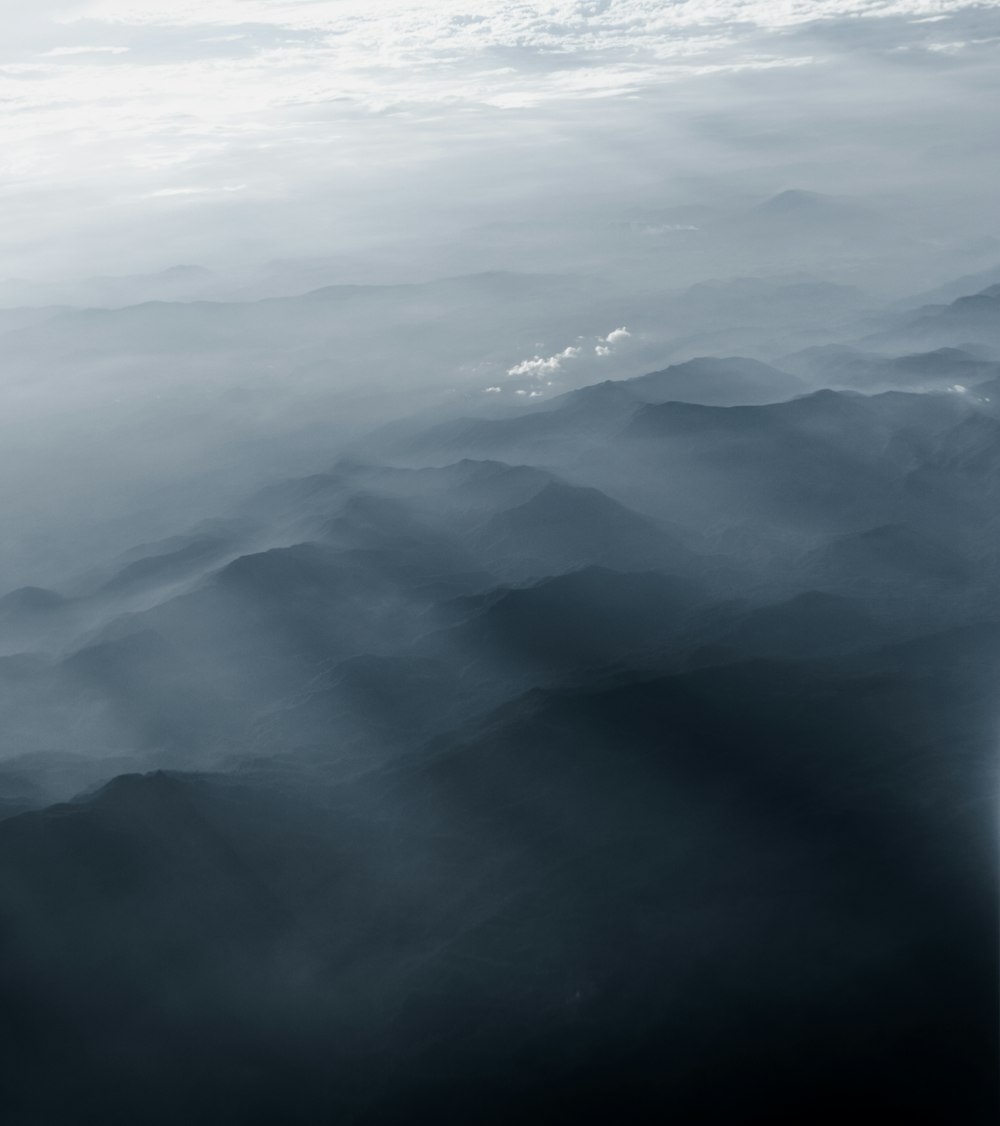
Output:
x=564 y=527
x=157 y=698
x=161 y=324
x=811 y=624
x=29 y=601
x=571 y=764
x=553 y=431
x=817 y=220
x=718 y=382
x=528 y=650
x=974 y=318
x=580 y=620
x=823 y=460
x=841 y=366
x=169 y=567
x=31 y=617
x=892 y=553
x=541 y=882
x=175 y=283
x=960 y=287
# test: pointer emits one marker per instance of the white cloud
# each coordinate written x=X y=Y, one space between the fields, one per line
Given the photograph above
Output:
x=101 y=94
x=538 y=368
x=606 y=343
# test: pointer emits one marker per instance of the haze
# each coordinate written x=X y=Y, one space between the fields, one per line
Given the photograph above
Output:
x=499 y=586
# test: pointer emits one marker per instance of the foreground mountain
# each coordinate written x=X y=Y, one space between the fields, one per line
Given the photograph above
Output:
x=608 y=882
x=628 y=755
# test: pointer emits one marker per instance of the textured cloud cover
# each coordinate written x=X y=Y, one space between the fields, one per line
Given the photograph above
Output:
x=120 y=113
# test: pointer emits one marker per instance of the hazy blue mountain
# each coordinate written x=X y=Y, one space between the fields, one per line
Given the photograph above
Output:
x=187 y=326
x=175 y=283
x=169 y=566
x=843 y=366
x=562 y=426
x=974 y=319
x=32 y=615
x=564 y=527
x=726 y=382
x=461 y=733
x=891 y=553
x=959 y=287
x=514 y=637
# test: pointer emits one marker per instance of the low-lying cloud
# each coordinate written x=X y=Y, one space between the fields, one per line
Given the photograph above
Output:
x=539 y=367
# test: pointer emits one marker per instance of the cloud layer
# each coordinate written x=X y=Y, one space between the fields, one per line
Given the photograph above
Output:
x=131 y=107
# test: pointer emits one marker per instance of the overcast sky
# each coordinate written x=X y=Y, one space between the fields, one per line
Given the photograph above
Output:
x=138 y=133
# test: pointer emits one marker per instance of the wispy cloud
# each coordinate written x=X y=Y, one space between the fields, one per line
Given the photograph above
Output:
x=111 y=95
x=164 y=193
x=69 y=52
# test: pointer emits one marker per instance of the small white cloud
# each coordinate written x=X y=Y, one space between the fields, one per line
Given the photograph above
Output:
x=606 y=343
x=491 y=390
x=538 y=366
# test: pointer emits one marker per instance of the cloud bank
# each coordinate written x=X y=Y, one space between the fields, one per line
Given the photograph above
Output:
x=118 y=112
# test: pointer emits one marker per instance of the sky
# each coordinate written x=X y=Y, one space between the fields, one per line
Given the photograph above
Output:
x=137 y=134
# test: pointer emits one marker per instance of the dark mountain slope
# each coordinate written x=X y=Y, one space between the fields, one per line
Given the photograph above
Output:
x=554 y=430
x=809 y=625
x=586 y=618
x=564 y=527
x=893 y=554
x=823 y=460
x=718 y=382
x=595 y=905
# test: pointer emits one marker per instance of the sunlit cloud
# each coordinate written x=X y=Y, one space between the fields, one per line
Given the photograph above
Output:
x=539 y=367
x=140 y=99
x=605 y=344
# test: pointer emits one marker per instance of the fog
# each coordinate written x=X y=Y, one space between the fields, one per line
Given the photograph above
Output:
x=243 y=153
x=498 y=593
